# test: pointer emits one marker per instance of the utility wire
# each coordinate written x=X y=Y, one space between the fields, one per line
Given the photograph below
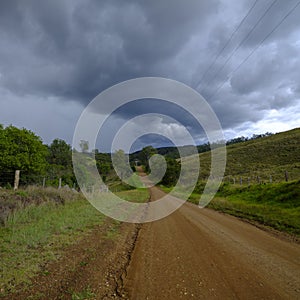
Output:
x=244 y=39
x=258 y=46
x=226 y=44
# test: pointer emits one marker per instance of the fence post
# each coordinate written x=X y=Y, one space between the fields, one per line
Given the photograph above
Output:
x=241 y=181
x=17 y=179
x=44 y=182
x=59 y=183
x=286 y=176
x=270 y=178
x=248 y=181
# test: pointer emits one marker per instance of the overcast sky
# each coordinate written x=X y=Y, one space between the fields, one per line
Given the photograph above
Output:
x=56 y=56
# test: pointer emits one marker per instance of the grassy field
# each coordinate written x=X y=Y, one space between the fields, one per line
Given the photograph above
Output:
x=264 y=157
x=42 y=223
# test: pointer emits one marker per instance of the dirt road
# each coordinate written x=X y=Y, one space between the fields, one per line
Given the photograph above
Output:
x=201 y=254
x=192 y=254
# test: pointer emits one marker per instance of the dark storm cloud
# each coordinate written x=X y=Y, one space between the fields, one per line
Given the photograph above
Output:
x=73 y=50
x=146 y=106
x=76 y=49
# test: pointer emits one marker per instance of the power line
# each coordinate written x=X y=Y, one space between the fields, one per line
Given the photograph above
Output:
x=244 y=39
x=226 y=44
x=258 y=46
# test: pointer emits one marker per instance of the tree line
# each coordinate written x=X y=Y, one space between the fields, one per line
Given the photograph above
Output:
x=22 y=149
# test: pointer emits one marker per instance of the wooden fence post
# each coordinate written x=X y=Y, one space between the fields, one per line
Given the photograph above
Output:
x=44 y=182
x=59 y=183
x=17 y=179
x=286 y=176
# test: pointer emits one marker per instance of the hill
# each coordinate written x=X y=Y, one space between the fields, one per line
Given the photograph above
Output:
x=258 y=159
x=251 y=165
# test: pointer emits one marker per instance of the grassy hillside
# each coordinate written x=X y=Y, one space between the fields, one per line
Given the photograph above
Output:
x=265 y=157
x=275 y=204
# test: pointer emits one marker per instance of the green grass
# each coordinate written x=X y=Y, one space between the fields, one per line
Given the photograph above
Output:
x=40 y=230
x=116 y=185
x=261 y=157
x=85 y=294
x=38 y=234
x=135 y=181
x=276 y=205
x=113 y=231
x=139 y=195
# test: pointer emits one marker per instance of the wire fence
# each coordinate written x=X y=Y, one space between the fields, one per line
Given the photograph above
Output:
x=9 y=180
x=258 y=179
x=17 y=179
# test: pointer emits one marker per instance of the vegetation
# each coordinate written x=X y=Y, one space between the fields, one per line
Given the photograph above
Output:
x=37 y=223
x=60 y=163
x=172 y=152
x=257 y=159
x=275 y=205
x=265 y=157
x=42 y=223
x=83 y=295
x=251 y=163
x=37 y=233
x=104 y=164
x=22 y=150
x=258 y=167
x=120 y=161
x=140 y=195
x=145 y=155
x=172 y=172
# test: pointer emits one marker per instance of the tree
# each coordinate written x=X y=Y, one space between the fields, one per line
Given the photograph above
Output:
x=145 y=155
x=157 y=164
x=60 y=153
x=22 y=150
x=172 y=173
x=120 y=163
x=60 y=162
x=84 y=146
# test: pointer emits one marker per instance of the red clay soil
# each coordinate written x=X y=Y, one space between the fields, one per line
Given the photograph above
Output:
x=202 y=254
